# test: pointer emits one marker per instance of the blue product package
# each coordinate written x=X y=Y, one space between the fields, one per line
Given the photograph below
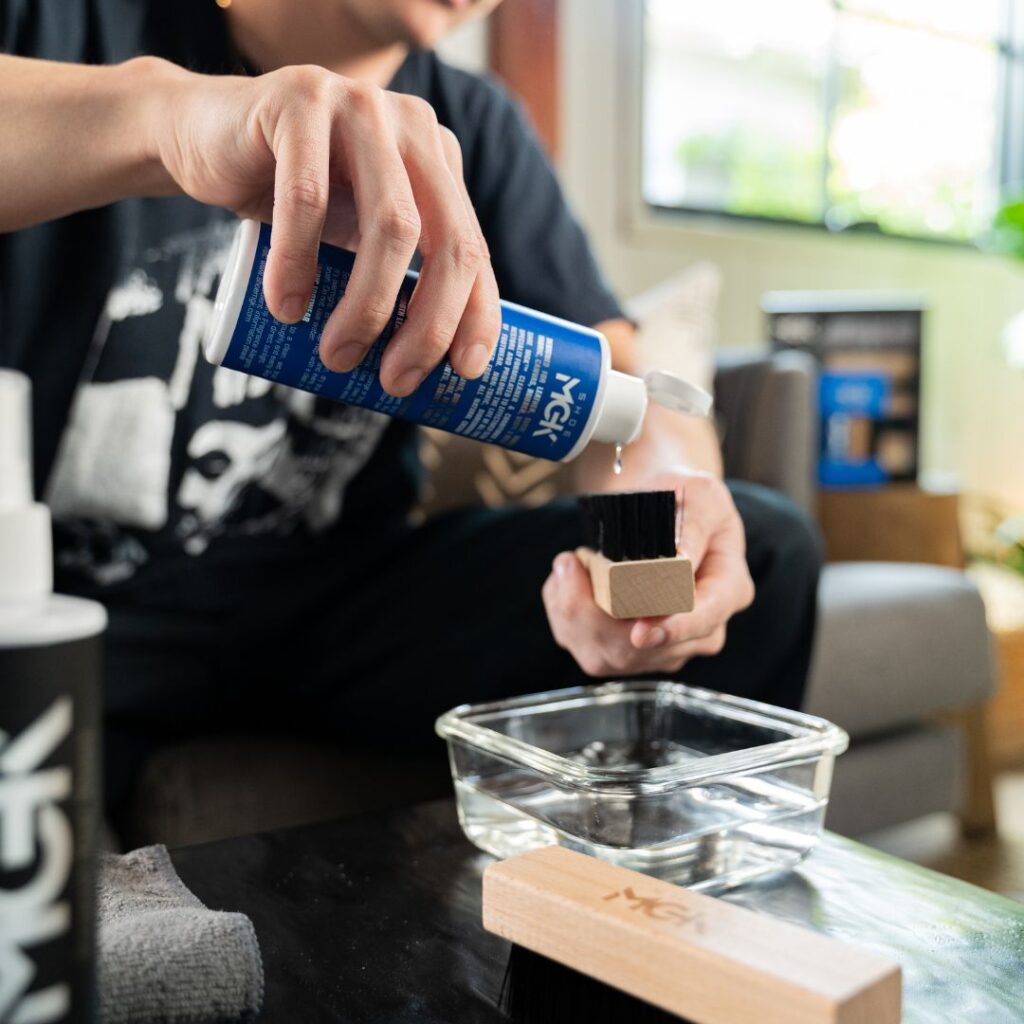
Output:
x=845 y=397
x=537 y=396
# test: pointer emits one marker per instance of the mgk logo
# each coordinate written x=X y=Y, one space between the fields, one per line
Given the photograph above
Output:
x=657 y=908
x=31 y=913
x=558 y=409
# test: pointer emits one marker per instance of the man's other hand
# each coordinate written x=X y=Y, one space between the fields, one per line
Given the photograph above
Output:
x=712 y=538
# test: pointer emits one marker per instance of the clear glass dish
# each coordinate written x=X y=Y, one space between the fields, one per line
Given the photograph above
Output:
x=686 y=784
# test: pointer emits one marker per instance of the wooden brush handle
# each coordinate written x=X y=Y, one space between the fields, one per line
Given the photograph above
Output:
x=634 y=590
x=695 y=956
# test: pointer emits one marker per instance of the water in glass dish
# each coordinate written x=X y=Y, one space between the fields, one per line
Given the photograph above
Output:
x=708 y=836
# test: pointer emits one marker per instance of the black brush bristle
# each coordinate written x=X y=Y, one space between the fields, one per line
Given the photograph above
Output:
x=537 y=990
x=630 y=526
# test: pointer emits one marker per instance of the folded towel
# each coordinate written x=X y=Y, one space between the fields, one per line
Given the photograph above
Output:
x=165 y=957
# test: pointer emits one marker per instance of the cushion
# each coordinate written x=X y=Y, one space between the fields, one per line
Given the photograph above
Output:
x=897 y=642
x=906 y=774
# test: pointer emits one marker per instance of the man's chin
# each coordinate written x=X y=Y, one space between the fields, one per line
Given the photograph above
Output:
x=424 y=29
x=425 y=22
x=418 y=24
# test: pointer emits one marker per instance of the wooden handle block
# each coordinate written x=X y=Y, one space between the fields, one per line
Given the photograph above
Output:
x=633 y=590
x=692 y=955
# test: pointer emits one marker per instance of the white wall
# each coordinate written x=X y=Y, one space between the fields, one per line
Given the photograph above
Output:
x=974 y=405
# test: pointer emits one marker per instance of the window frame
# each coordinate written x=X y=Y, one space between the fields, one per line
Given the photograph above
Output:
x=1008 y=159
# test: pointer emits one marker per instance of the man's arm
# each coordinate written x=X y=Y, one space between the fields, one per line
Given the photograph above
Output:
x=70 y=139
x=300 y=145
x=668 y=438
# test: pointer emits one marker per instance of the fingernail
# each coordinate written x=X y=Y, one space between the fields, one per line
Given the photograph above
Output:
x=408 y=382
x=561 y=567
x=347 y=356
x=292 y=308
x=655 y=638
x=475 y=361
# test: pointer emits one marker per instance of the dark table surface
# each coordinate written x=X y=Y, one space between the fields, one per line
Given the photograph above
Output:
x=377 y=919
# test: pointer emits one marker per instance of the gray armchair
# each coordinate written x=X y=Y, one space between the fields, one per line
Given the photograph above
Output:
x=902 y=656
x=897 y=644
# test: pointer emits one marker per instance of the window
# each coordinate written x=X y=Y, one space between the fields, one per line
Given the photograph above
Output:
x=899 y=115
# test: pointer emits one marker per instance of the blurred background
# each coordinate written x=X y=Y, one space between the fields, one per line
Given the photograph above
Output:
x=808 y=144
x=844 y=177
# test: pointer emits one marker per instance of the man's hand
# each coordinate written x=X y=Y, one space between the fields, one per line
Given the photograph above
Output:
x=318 y=154
x=313 y=149
x=712 y=538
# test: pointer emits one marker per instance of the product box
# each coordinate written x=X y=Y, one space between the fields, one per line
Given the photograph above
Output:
x=868 y=348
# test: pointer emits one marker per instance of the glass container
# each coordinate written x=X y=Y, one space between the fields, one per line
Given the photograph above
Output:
x=697 y=787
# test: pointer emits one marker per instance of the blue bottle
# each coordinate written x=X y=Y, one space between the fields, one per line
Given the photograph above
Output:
x=548 y=391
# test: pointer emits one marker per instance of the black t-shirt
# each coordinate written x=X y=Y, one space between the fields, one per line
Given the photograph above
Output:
x=147 y=454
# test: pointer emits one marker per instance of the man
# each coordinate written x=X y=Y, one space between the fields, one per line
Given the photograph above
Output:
x=252 y=543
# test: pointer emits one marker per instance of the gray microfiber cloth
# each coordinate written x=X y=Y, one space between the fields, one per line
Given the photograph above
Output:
x=165 y=958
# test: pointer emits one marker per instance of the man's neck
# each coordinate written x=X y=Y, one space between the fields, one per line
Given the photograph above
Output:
x=269 y=36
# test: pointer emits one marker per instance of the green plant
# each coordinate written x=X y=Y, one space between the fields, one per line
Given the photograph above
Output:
x=1007 y=235
x=1009 y=543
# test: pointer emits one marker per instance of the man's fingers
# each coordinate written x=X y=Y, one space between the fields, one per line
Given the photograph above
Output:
x=726 y=574
x=389 y=229
x=453 y=258
x=479 y=330
x=648 y=633
x=606 y=647
x=568 y=591
x=470 y=352
x=723 y=587
x=693 y=539
x=301 y=188
x=405 y=174
x=677 y=655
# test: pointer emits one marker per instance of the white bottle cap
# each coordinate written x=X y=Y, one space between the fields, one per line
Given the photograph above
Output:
x=26 y=546
x=231 y=293
x=622 y=413
x=625 y=403
x=673 y=392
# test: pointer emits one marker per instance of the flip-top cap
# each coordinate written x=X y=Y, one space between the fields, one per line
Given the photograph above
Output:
x=673 y=392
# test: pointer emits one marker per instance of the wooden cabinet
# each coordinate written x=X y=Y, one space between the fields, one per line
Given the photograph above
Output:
x=896 y=523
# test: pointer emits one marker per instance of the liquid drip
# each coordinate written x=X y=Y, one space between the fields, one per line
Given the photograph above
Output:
x=617 y=464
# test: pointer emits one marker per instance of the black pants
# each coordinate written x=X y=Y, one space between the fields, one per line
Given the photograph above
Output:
x=369 y=642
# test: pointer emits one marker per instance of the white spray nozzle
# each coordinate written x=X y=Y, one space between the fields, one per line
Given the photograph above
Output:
x=15 y=447
x=26 y=548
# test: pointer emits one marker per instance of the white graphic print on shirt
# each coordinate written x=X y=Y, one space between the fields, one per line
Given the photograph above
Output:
x=158 y=441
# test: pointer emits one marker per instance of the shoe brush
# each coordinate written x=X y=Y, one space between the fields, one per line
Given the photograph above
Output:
x=630 y=552
x=598 y=943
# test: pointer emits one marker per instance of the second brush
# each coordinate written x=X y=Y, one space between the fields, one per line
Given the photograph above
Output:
x=630 y=542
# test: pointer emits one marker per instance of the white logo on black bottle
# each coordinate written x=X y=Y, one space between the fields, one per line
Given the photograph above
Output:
x=31 y=819
x=559 y=408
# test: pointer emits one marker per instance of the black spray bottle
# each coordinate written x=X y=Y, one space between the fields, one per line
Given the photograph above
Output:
x=50 y=649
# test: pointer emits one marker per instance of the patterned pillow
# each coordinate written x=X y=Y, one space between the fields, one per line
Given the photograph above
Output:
x=676 y=332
